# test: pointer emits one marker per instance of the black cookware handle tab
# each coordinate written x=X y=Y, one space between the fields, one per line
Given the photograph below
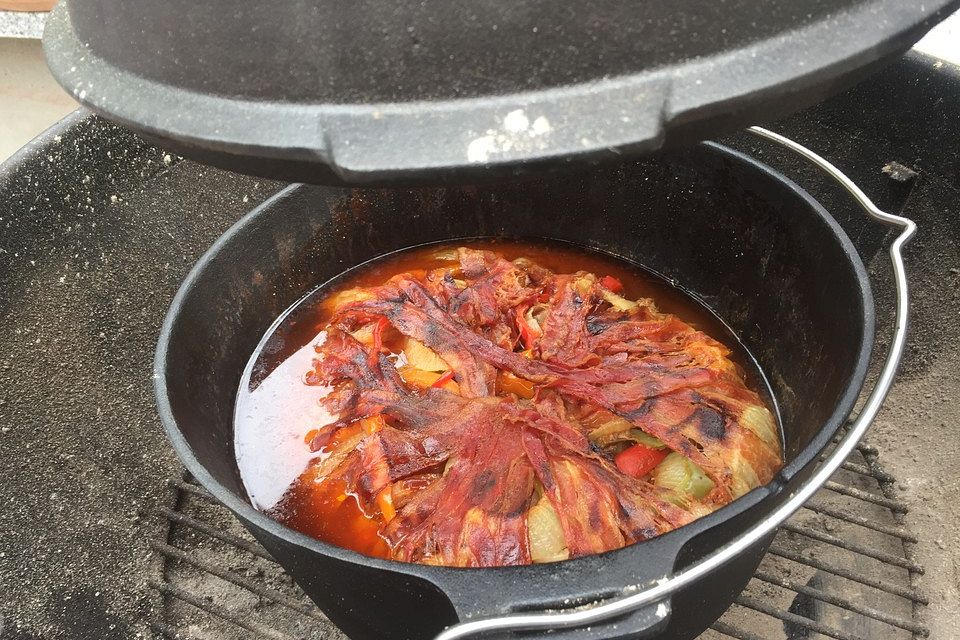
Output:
x=639 y=624
x=561 y=600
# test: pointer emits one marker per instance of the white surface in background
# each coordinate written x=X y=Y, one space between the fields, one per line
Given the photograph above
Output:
x=943 y=41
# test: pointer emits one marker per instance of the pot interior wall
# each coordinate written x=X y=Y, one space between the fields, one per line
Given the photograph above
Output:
x=745 y=240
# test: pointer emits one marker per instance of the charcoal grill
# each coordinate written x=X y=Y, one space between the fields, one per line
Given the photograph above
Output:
x=48 y=181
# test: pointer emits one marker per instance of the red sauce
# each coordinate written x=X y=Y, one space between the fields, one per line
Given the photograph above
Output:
x=326 y=512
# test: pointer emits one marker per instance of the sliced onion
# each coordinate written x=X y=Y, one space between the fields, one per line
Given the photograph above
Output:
x=536 y=316
x=336 y=455
x=584 y=283
x=672 y=473
x=364 y=335
x=422 y=357
x=638 y=436
x=335 y=301
x=700 y=485
x=545 y=533
x=677 y=473
x=618 y=302
x=446 y=255
x=760 y=422
x=620 y=430
x=615 y=426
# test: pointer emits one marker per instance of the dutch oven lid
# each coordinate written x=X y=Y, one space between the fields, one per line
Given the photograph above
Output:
x=369 y=91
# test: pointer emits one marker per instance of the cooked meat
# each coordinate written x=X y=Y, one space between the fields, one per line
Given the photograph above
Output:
x=526 y=416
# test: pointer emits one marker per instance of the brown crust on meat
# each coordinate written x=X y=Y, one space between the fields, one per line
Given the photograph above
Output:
x=483 y=459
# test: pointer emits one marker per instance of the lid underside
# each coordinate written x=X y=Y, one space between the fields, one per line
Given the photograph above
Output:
x=380 y=92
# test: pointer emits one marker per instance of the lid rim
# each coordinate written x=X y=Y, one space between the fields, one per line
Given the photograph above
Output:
x=367 y=143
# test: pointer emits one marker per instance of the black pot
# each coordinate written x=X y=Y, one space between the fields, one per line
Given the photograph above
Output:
x=753 y=245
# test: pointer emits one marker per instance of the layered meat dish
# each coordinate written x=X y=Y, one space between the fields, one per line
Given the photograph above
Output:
x=482 y=409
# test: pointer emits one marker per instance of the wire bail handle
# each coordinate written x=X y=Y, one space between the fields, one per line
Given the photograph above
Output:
x=667 y=587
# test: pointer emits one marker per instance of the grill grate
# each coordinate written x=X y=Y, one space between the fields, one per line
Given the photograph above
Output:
x=843 y=567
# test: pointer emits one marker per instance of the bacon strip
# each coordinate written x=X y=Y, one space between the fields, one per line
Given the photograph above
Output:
x=651 y=392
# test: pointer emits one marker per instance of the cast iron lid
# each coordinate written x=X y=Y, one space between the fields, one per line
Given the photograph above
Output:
x=378 y=91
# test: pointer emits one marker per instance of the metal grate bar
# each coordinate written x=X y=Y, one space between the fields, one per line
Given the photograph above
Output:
x=729 y=630
x=894 y=505
x=221 y=612
x=895 y=589
x=170 y=632
x=268 y=594
x=839 y=514
x=908 y=549
x=856 y=468
x=864 y=470
x=223 y=536
x=882 y=556
x=195 y=490
x=861 y=447
x=843 y=603
x=867 y=449
x=757 y=605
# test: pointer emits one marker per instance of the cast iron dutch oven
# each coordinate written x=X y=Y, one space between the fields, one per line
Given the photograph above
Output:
x=754 y=246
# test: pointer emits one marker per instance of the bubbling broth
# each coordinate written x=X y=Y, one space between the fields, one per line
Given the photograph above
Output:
x=496 y=402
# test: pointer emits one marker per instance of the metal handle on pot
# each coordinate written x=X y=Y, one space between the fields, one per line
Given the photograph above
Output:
x=669 y=585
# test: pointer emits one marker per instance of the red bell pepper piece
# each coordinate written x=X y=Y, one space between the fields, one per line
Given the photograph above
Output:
x=444 y=379
x=639 y=460
x=527 y=333
x=612 y=284
x=378 y=330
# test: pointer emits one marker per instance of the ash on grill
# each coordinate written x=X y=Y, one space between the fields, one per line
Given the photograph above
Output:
x=841 y=568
